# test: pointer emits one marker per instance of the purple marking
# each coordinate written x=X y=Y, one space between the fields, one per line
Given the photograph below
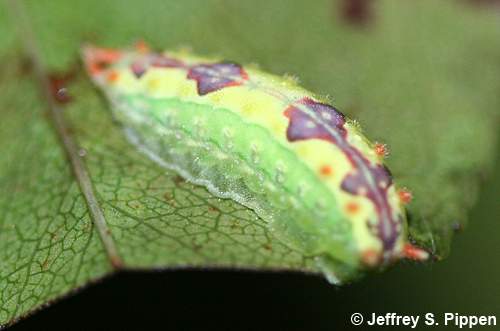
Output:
x=213 y=77
x=138 y=68
x=162 y=61
x=373 y=183
x=313 y=120
x=303 y=126
x=355 y=182
x=209 y=77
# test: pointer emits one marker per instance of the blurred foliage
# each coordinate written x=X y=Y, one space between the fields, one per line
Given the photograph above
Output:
x=420 y=76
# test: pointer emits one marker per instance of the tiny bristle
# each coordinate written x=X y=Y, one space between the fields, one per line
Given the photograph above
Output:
x=291 y=79
x=329 y=99
x=184 y=49
x=355 y=124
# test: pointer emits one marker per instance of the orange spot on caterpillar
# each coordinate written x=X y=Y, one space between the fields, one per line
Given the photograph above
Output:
x=405 y=196
x=352 y=207
x=98 y=59
x=370 y=258
x=94 y=68
x=141 y=46
x=107 y=55
x=326 y=170
x=381 y=149
x=415 y=253
x=112 y=76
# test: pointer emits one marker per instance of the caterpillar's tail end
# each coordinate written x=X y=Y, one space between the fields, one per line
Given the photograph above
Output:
x=412 y=252
x=97 y=59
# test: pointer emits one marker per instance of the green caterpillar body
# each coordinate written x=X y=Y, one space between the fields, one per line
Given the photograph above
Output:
x=266 y=143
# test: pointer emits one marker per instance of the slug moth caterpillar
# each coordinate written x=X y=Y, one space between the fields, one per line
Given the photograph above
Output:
x=261 y=140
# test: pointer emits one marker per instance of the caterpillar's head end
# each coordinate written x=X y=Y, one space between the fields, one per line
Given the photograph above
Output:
x=412 y=252
x=98 y=59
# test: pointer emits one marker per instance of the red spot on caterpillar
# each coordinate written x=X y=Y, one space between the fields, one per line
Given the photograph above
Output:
x=98 y=59
x=415 y=253
x=326 y=170
x=381 y=149
x=94 y=68
x=405 y=196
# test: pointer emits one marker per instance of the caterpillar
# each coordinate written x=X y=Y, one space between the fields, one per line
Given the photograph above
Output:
x=306 y=169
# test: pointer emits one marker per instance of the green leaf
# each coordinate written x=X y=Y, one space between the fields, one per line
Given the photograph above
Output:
x=421 y=76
